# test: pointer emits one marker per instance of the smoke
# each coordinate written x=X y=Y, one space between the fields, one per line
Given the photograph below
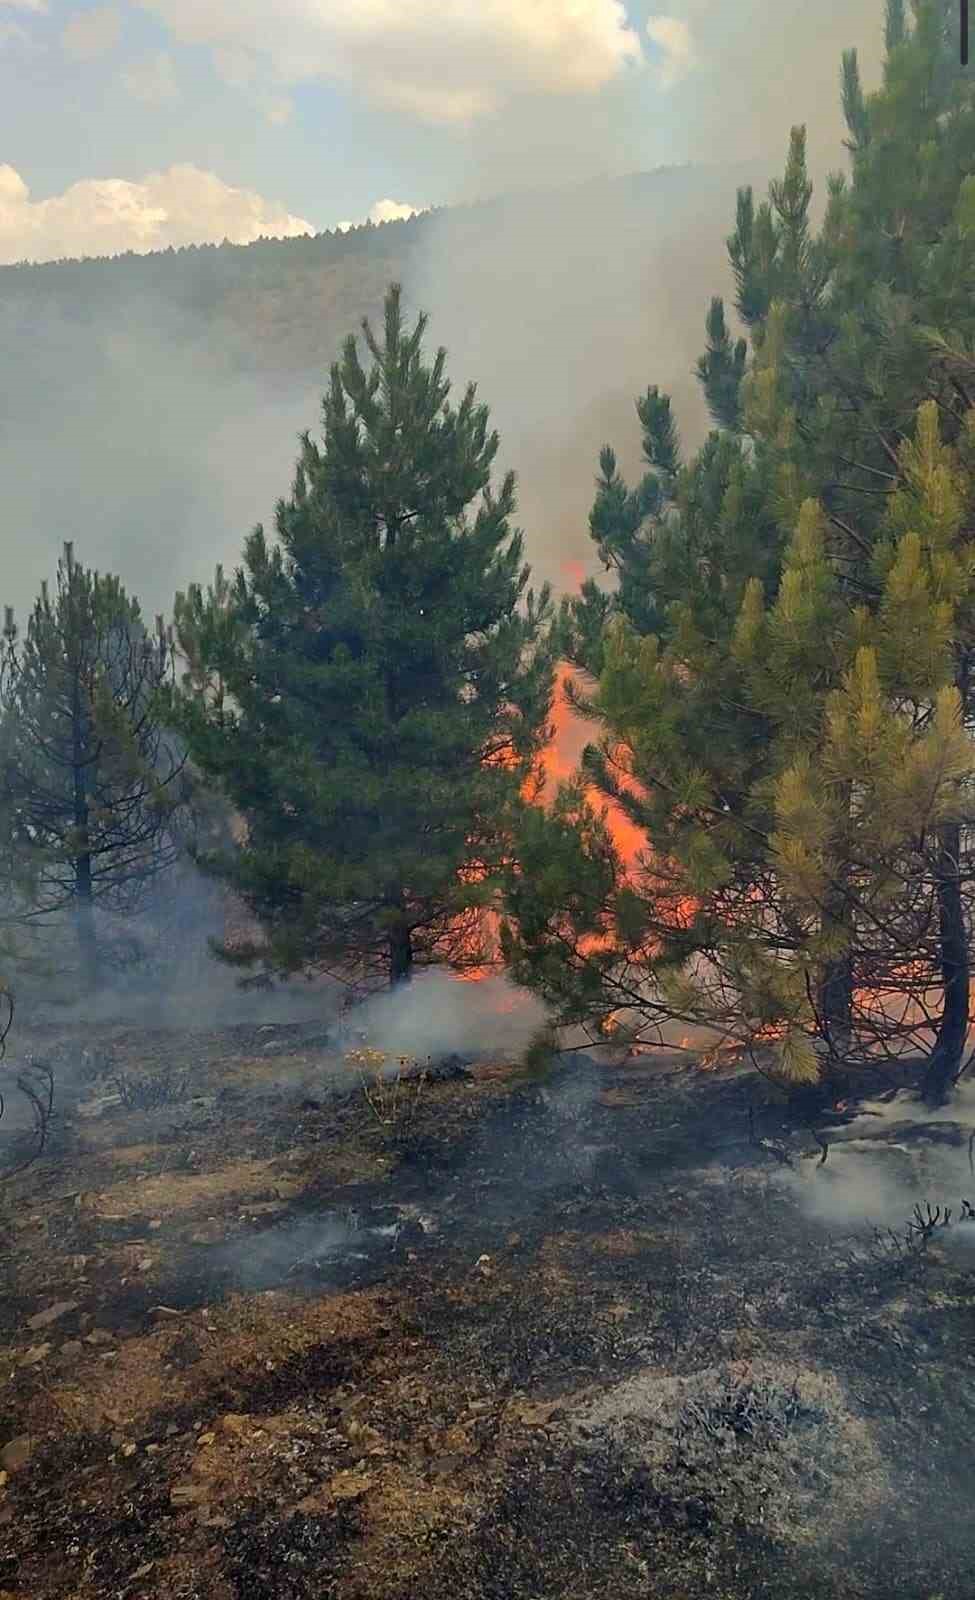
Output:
x=716 y=81
x=159 y=971
x=124 y=430
x=564 y=306
x=893 y=1156
x=437 y=1015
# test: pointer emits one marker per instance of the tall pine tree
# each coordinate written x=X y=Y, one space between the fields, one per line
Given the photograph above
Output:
x=850 y=331
x=371 y=691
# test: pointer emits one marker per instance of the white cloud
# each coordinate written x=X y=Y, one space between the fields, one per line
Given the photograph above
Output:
x=435 y=62
x=675 y=44
x=152 y=80
x=90 y=34
x=37 y=6
x=278 y=110
x=384 y=211
x=103 y=216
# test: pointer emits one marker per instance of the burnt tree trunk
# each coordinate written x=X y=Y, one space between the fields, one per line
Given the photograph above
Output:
x=949 y=1049
x=400 y=954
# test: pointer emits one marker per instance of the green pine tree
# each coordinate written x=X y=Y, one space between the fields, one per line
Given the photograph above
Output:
x=841 y=353
x=90 y=778
x=372 y=690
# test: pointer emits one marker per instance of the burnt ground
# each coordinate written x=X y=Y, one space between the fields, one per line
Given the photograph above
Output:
x=269 y=1339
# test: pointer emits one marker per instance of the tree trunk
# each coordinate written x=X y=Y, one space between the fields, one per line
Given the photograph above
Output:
x=83 y=906
x=85 y=923
x=949 y=1048
x=835 y=998
x=836 y=1005
x=400 y=954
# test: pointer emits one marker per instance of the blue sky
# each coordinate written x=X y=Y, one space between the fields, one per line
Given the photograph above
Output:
x=136 y=125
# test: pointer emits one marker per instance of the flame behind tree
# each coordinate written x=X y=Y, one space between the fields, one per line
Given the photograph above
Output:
x=371 y=692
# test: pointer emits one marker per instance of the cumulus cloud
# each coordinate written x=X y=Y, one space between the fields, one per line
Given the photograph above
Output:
x=152 y=80
x=672 y=36
x=278 y=110
x=103 y=216
x=416 y=56
x=90 y=34
x=384 y=211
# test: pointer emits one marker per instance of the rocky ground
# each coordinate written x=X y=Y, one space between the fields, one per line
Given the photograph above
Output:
x=265 y=1335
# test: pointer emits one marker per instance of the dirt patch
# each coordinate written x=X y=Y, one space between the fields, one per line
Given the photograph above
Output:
x=178 y=1191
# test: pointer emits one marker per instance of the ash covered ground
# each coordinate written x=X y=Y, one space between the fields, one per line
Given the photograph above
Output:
x=267 y=1336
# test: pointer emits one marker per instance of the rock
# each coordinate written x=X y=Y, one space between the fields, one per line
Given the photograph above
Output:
x=99 y=1336
x=15 y=1455
x=145 y=1265
x=350 y=1485
x=155 y=1224
x=68 y=1351
x=235 y=1424
x=537 y=1414
x=43 y=1319
x=36 y=1353
x=187 y=1494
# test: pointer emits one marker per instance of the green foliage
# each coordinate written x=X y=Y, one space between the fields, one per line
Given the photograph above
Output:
x=371 y=692
x=90 y=781
x=783 y=672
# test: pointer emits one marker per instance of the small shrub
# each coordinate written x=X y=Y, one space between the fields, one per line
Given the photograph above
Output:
x=392 y=1088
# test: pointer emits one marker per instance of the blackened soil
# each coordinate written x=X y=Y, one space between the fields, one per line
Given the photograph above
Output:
x=470 y=1352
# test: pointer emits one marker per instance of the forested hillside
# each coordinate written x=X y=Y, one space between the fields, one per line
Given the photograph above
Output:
x=151 y=403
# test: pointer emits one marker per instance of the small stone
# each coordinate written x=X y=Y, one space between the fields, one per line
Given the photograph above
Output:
x=187 y=1494
x=43 y=1319
x=99 y=1336
x=206 y=1438
x=15 y=1455
x=71 y=1349
x=145 y=1264
x=155 y=1223
x=36 y=1353
x=234 y=1423
x=350 y=1485
x=129 y=1449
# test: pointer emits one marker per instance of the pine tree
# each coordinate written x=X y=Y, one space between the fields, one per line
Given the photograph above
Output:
x=878 y=321
x=371 y=691
x=842 y=352
x=794 y=781
x=90 y=779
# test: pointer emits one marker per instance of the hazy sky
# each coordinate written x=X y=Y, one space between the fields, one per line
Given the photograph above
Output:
x=134 y=124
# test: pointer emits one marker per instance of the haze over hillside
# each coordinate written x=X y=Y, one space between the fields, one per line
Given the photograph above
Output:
x=152 y=403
